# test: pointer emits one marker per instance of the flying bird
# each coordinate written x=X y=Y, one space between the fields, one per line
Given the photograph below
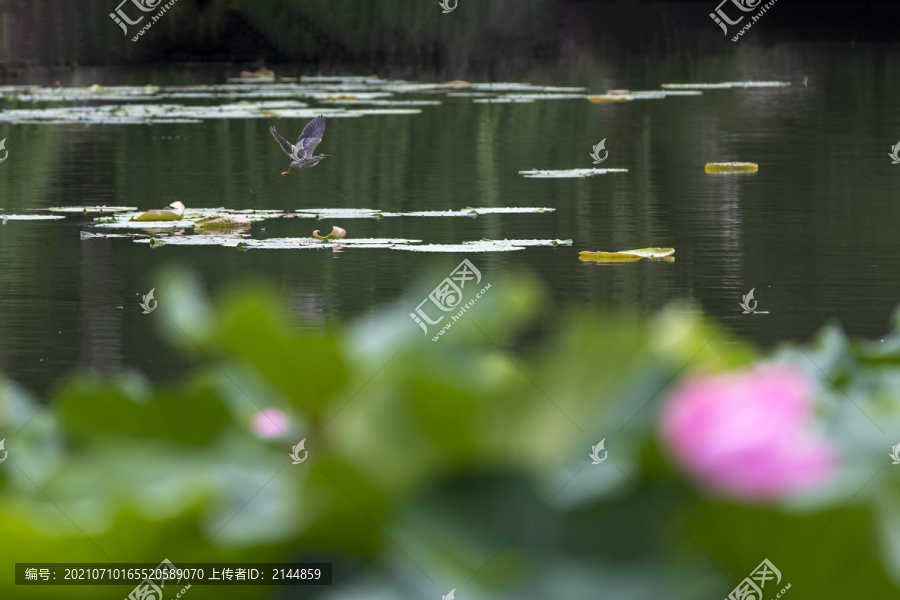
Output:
x=301 y=153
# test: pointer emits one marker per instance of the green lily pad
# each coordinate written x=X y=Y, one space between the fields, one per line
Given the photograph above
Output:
x=221 y=222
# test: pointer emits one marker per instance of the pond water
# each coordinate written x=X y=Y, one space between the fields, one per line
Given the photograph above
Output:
x=814 y=231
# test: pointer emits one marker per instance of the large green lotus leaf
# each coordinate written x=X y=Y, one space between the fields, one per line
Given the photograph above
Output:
x=255 y=326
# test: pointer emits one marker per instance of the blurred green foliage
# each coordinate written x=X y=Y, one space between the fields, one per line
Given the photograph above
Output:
x=458 y=464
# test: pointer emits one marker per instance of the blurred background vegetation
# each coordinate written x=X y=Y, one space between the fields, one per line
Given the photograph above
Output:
x=459 y=464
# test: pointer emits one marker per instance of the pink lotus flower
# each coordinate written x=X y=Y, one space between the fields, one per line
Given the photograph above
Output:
x=748 y=434
x=270 y=423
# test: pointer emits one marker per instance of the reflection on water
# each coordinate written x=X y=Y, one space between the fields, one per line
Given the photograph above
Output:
x=814 y=231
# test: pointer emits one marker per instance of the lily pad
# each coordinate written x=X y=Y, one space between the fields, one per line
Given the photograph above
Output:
x=368 y=213
x=221 y=222
x=523 y=243
x=462 y=248
x=609 y=98
x=732 y=167
x=89 y=209
x=6 y=218
x=626 y=255
x=725 y=85
x=566 y=173
x=192 y=240
x=309 y=243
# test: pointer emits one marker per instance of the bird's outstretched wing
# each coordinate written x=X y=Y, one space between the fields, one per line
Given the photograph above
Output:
x=311 y=137
x=285 y=145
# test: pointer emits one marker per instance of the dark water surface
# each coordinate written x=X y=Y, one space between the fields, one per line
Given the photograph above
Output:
x=815 y=231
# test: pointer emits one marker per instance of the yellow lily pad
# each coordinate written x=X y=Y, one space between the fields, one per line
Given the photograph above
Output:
x=732 y=167
x=608 y=98
x=626 y=255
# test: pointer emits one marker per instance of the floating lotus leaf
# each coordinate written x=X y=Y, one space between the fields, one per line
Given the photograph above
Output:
x=90 y=209
x=221 y=221
x=524 y=243
x=626 y=255
x=566 y=173
x=6 y=218
x=732 y=167
x=725 y=85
